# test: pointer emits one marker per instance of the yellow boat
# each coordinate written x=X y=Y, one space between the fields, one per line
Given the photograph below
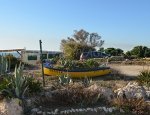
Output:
x=78 y=73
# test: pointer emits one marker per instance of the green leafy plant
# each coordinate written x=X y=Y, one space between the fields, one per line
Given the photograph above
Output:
x=144 y=78
x=3 y=83
x=34 y=86
x=91 y=63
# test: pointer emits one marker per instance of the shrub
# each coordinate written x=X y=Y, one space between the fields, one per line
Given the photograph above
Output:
x=144 y=78
x=34 y=86
x=75 y=94
x=91 y=63
x=76 y=65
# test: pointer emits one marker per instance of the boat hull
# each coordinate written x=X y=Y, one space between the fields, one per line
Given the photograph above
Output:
x=77 y=74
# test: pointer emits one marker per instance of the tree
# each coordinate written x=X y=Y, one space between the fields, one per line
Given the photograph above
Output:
x=119 y=52
x=147 y=53
x=101 y=49
x=82 y=41
x=128 y=54
x=140 y=51
x=114 y=51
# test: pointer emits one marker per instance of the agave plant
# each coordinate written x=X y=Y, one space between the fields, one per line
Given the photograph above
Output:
x=64 y=79
x=18 y=84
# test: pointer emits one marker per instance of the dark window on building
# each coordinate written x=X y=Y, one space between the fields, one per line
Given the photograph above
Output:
x=44 y=56
x=32 y=57
x=50 y=56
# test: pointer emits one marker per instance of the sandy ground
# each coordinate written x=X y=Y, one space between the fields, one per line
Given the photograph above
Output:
x=129 y=70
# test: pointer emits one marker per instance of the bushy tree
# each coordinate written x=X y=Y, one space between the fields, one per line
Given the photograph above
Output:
x=141 y=51
x=82 y=41
x=147 y=52
x=101 y=49
x=114 y=51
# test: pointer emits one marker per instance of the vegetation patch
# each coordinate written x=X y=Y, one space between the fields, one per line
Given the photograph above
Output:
x=144 y=78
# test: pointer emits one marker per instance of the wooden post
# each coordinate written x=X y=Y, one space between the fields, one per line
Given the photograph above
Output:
x=42 y=62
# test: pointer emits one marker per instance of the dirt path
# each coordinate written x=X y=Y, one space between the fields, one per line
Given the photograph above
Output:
x=130 y=70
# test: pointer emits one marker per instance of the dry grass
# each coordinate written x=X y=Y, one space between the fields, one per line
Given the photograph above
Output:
x=71 y=95
x=134 y=106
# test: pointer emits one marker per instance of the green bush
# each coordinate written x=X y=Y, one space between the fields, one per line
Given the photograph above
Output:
x=3 y=83
x=33 y=85
x=144 y=78
x=91 y=63
x=76 y=65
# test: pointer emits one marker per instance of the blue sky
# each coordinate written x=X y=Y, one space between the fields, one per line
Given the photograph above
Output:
x=121 y=23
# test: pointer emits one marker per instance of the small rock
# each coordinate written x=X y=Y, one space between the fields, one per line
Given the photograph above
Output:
x=61 y=112
x=49 y=113
x=39 y=113
x=44 y=113
x=77 y=110
x=114 y=108
x=110 y=110
x=88 y=109
x=80 y=110
x=85 y=110
x=148 y=94
x=121 y=110
x=34 y=110
x=40 y=107
x=100 y=108
x=56 y=111
x=29 y=103
x=105 y=109
x=91 y=109
x=73 y=110
x=95 y=109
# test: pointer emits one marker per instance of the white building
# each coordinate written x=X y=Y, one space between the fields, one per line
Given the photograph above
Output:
x=33 y=56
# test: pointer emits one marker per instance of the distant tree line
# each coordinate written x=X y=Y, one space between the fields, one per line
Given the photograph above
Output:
x=136 y=52
x=139 y=51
